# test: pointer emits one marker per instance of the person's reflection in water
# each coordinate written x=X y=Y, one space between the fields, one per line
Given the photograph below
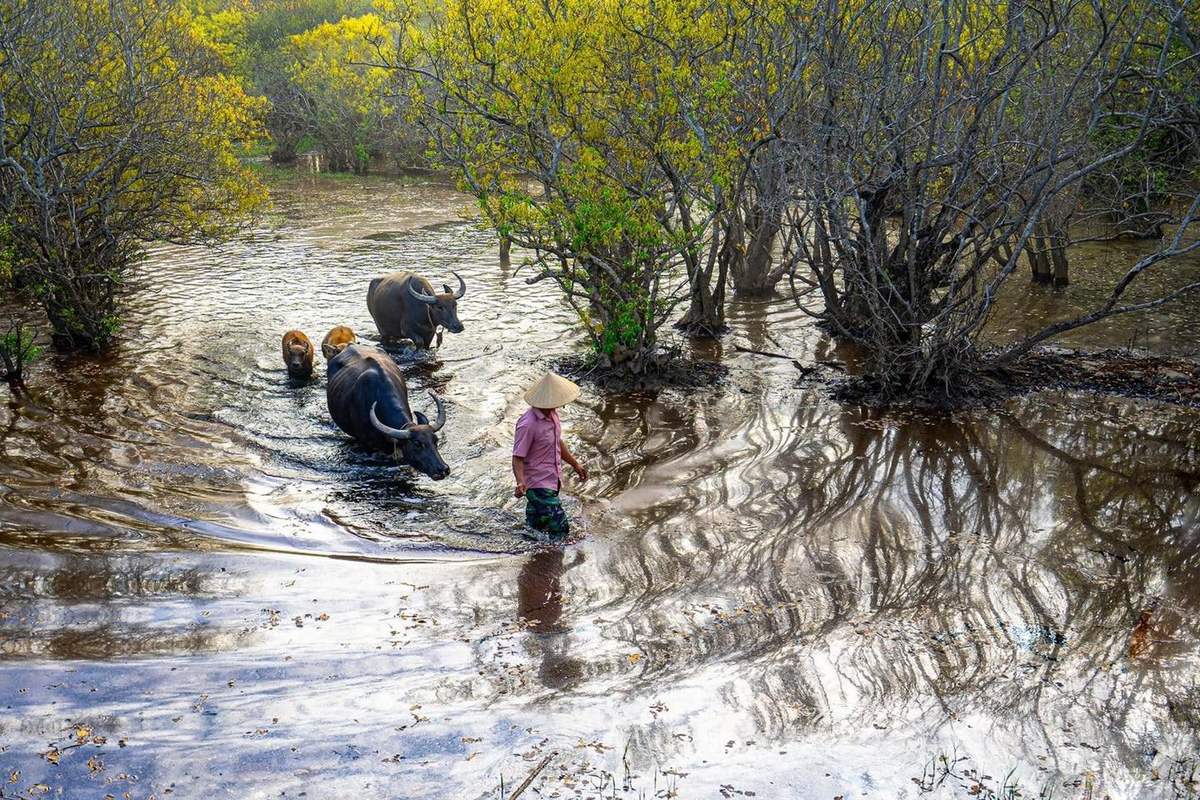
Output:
x=540 y=606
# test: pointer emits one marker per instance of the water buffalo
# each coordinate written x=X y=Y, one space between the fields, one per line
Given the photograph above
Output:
x=368 y=399
x=404 y=306
x=297 y=354
x=338 y=337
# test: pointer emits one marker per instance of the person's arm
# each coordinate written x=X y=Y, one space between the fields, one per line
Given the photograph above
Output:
x=580 y=470
x=522 y=441
x=518 y=465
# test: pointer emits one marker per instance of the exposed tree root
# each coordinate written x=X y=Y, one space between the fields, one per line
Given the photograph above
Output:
x=659 y=370
x=1122 y=373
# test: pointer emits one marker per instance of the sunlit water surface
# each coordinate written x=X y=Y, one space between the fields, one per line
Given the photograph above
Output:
x=208 y=591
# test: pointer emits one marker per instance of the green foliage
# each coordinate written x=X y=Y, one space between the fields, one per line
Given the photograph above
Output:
x=17 y=350
x=309 y=59
x=628 y=118
x=625 y=329
x=8 y=255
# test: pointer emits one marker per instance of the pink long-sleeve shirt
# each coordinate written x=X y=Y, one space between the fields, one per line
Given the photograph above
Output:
x=537 y=443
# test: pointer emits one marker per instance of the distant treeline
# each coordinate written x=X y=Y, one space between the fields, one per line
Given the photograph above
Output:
x=320 y=66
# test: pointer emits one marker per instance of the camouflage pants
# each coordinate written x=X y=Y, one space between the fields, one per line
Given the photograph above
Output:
x=544 y=512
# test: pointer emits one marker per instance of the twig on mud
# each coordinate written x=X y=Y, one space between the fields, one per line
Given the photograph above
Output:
x=529 y=778
x=805 y=371
x=767 y=353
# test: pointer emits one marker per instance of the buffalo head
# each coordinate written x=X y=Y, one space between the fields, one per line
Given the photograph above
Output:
x=443 y=307
x=417 y=442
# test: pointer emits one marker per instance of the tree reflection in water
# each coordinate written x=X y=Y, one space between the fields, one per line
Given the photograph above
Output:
x=1035 y=570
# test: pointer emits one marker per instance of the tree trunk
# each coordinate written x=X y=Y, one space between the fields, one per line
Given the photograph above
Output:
x=284 y=152
x=705 y=316
x=762 y=218
x=505 y=248
x=1038 y=254
x=1058 y=256
x=702 y=317
x=751 y=271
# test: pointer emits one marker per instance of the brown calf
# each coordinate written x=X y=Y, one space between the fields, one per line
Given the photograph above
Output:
x=337 y=338
x=297 y=354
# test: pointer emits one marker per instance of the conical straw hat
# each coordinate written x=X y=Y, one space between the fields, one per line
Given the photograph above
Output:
x=551 y=391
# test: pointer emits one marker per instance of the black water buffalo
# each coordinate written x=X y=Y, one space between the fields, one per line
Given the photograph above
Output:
x=368 y=399
x=404 y=306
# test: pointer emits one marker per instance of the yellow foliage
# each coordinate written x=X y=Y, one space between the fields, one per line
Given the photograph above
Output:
x=340 y=62
x=181 y=175
x=616 y=97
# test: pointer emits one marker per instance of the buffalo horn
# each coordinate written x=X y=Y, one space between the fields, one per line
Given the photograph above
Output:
x=441 y=412
x=424 y=298
x=387 y=430
x=462 y=286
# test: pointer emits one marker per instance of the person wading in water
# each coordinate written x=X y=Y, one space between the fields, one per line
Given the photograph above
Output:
x=538 y=453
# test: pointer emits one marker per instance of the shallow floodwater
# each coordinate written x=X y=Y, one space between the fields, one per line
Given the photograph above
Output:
x=208 y=591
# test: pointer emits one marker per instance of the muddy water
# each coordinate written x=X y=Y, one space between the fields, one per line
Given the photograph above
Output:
x=210 y=592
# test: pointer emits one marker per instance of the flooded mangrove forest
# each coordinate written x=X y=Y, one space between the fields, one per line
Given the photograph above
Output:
x=856 y=342
x=209 y=591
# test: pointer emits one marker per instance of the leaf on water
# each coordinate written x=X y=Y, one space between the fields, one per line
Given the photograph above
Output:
x=322 y=616
x=95 y=765
x=634 y=658
x=82 y=732
x=14 y=776
x=53 y=755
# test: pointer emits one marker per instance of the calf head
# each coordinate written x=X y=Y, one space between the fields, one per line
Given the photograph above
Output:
x=336 y=341
x=443 y=306
x=416 y=444
x=297 y=354
x=299 y=362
